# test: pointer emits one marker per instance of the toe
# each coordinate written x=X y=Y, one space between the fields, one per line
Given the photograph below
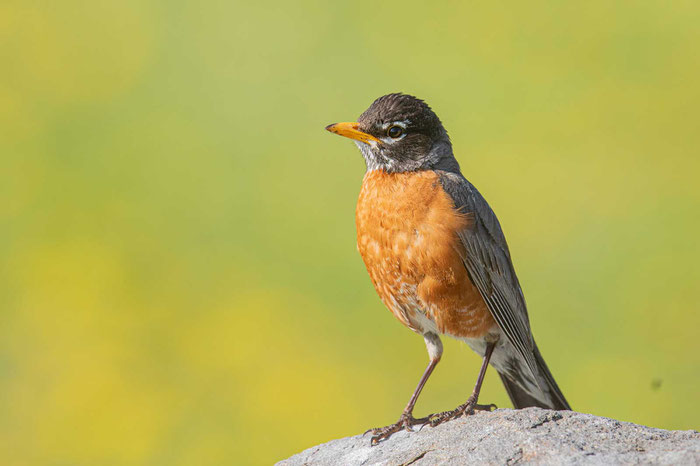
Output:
x=489 y=407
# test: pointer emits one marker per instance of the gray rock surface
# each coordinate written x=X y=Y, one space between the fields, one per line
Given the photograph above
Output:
x=506 y=436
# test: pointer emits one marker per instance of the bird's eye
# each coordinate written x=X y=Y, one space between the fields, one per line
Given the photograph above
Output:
x=395 y=131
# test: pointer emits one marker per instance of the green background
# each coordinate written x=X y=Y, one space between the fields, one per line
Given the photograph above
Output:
x=179 y=282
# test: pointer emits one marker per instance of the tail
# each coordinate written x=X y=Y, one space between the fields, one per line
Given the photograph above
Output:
x=545 y=395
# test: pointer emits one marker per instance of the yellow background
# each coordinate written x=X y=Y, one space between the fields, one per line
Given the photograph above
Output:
x=179 y=283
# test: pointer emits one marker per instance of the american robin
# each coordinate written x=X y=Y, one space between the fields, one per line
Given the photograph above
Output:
x=437 y=257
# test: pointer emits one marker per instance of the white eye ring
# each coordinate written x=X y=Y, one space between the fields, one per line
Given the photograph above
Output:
x=402 y=125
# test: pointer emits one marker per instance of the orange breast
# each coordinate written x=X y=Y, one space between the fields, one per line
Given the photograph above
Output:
x=406 y=234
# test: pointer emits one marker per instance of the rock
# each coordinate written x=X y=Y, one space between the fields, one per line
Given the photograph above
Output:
x=507 y=436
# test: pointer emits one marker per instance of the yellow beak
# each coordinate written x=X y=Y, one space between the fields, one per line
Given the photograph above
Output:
x=350 y=130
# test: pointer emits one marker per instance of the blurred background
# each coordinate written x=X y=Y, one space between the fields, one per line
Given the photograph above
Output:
x=179 y=281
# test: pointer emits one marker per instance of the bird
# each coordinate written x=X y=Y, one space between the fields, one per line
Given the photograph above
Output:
x=438 y=259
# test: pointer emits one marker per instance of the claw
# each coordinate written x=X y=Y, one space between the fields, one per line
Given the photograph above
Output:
x=466 y=409
x=489 y=407
x=405 y=422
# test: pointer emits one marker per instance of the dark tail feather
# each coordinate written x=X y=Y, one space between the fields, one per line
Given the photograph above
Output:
x=518 y=396
x=522 y=399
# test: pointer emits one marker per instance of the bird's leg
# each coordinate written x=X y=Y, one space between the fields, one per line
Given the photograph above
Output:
x=407 y=421
x=471 y=404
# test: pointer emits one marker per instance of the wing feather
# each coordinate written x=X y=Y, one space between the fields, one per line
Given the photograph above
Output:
x=488 y=263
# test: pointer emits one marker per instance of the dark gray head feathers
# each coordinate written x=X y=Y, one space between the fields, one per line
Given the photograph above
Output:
x=411 y=134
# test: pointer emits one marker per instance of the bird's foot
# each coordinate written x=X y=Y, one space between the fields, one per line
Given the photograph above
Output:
x=465 y=409
x=406 y=421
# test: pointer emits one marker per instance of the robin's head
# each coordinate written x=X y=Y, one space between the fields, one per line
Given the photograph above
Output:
x=400 y=133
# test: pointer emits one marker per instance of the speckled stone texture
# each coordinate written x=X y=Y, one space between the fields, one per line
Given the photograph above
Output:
x=506 y=436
